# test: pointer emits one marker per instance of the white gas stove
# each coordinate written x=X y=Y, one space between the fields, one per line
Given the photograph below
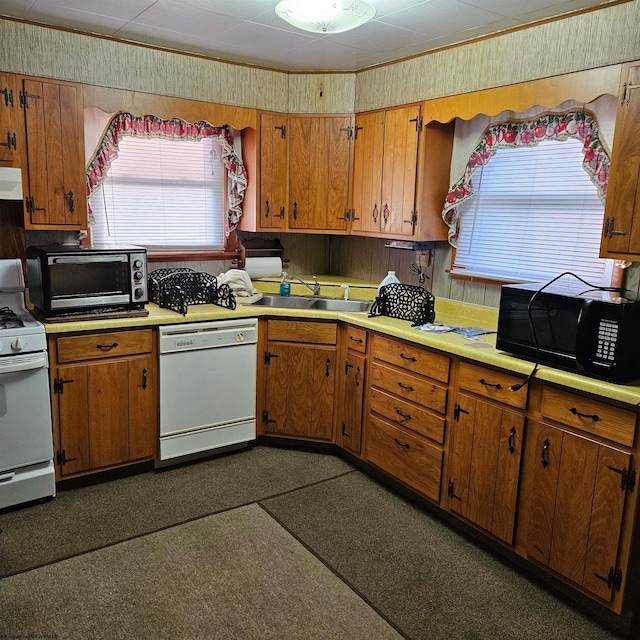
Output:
x=26 y=443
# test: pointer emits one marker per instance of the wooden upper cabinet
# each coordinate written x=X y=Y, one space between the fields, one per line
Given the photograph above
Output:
x=621 y=229
x=53 y=124
x=400 y=174
x=367 y=172
x=319 y=161
x=9 y=139
x=273 y=170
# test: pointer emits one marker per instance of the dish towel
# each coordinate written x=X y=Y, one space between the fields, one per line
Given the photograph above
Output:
x=239 y=281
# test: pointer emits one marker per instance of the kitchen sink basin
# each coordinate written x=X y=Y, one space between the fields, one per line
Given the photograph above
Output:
x=309 y=302
x=331 y=304
x=287 y=302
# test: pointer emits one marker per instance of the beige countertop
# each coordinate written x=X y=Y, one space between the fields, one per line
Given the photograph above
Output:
x=449 y=312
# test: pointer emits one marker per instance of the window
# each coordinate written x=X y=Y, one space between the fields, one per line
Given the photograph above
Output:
x=531 y=210
x=166 y=185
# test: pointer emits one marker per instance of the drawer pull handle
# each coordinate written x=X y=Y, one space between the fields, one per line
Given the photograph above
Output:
x=406 y=387
x=545 y=453
x=594 y=416
x=495 y=385
x=402 y=414
x=358 y=340
x=409 y=358
x=402 y=444
x=106 y=347
x=512 y=440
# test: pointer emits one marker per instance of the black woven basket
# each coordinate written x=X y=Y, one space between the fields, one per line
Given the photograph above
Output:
x=177 y=288
x=405 y=302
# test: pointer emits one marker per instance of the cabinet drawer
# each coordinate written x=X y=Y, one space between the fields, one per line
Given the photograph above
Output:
x=406 y=456
x=412 y=357
x=589 y=415
x=407 y=415
x=492 y=384
x=104 y=345
x=410 y=387
x=356 y=339
x=301 y=331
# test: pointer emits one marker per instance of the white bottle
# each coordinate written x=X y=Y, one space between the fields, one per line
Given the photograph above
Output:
x=388 y=279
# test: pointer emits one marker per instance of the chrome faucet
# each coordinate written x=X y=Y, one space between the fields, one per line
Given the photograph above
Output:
x=316 y=285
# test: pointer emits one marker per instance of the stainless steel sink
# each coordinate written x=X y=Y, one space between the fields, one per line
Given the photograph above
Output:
x=309 y=302
x=331 y=304
x=287 y=302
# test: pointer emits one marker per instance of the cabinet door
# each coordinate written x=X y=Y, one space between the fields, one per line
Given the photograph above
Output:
x=367 y=171
x=143 y=408
x=55 y=155
x=621 y=232
x=399 y=171
x=8 y=106
x=352 y=400
x=485 y=465
x=273 y=170
x=319 y=155
x=108 y=394
x=577 y=508
x=73 y=419
x=300 y=384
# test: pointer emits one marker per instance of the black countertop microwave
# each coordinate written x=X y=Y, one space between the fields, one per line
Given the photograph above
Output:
x=572 y=327
x=68 y=279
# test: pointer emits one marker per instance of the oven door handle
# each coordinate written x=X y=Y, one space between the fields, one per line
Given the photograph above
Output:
x=27 y=362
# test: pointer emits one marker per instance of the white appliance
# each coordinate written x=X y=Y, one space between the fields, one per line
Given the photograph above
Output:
x=207 y=387
x=26 y=443
x=10 y=183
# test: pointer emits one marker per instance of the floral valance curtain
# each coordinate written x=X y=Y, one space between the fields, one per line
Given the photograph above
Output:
x=125 y=124
x=580 y=124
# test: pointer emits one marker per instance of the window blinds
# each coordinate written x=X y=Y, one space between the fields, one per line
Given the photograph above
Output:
x=533 y=215
x=163 y=194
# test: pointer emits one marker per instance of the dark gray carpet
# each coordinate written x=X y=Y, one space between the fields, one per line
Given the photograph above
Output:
x=429 y=580
x=237 y=575
x=80 y=520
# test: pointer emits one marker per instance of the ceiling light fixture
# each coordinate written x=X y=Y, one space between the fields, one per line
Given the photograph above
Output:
x=325 y=16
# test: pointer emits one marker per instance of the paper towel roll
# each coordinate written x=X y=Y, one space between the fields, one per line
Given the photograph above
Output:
x=263 y=267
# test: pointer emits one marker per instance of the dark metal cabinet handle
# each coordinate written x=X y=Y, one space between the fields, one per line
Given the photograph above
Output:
x=72 y=204
x=402 y=414
x=374 y=213
x=451 y=491
x=144 y=378
x=594 y=416
x=328 y=362
x=344 y=432
x=512 y=440
x=295 y=210
x=545 y=453
x=406 y=387
x=106 y=347
x=495 y=385
x=385 y=213
x=409 y=358
x=358 y=340
x=347 y=366
x=402 y=444
x=357 y=377
x=266 y=208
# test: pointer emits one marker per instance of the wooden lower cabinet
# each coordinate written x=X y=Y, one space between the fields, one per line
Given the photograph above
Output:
x=352 y=378
x=484 y=465
x=407 y=404
x=104 y=400
x=300 y=377
x=578 y=498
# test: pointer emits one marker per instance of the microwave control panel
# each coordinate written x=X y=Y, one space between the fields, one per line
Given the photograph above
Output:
x=138 y=265
x=606 y=340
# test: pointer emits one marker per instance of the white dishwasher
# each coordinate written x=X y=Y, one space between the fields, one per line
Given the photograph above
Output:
x=207 y=387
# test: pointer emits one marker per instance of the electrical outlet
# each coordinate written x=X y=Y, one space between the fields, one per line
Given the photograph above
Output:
x=423 y=258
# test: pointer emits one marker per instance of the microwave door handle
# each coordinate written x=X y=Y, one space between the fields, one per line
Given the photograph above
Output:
x=583 y=334
x=94 y=258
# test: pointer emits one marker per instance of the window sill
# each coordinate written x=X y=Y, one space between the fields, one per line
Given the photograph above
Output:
x=182 y=256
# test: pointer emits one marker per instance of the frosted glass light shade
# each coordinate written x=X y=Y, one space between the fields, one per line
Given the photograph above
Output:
x=325 y=16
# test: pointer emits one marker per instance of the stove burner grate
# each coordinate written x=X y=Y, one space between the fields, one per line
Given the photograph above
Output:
x=9 y=320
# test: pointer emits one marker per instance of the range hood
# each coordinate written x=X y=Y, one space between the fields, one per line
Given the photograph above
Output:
x=10 y=183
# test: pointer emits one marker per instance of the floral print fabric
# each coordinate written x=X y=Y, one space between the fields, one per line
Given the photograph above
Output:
x=549 y=126
x=151 y=126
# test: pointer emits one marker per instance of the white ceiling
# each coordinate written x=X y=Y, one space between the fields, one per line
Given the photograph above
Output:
x=249 y=31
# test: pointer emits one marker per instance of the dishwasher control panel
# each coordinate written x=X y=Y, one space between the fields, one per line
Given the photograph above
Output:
x=207 y=335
